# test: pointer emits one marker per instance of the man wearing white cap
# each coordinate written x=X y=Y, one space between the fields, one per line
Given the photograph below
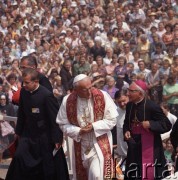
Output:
x=87 y=115
x=143 y=124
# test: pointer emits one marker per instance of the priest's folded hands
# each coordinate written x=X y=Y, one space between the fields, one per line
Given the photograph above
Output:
x=86 y=129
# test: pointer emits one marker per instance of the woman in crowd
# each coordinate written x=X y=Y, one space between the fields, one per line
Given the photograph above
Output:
x=58 y=90
x=15 y=68
x=43 y=64
x=168 y=36
x=174 y=66
x=136 y=59
x=164 y=70
x=143 y=48
x=110 y=86
x=170 y=94
x=121 y=69
x=110 y=67
x=101 y=66
x=154 y=83
x=13 y=83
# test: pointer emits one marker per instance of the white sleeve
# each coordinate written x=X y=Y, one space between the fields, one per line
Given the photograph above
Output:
x=68 y=129
x=172 y=118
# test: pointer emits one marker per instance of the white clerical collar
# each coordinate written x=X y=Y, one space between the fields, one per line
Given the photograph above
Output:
x=139 y=101
x=35 y=89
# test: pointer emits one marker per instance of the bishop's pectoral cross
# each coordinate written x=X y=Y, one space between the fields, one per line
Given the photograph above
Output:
x=85 y=117
x=135 y=121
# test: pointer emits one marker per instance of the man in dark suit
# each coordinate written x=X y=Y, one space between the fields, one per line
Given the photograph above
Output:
x=38 y=134
x=31 y=62
x=66 y=75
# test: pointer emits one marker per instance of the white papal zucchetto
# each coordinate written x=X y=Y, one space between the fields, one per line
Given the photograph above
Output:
x=79 y=78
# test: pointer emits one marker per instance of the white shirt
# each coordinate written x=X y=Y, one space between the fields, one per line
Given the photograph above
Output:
x=144 y=72
x=139 y=15
x=121 y=117
x=172 y=118
x=107 y=60
x=160 y=33
x=154 y=55
x=125 y=26
x=129 y=56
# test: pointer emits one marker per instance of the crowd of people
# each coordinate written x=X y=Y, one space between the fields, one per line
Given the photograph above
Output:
x=115 y=43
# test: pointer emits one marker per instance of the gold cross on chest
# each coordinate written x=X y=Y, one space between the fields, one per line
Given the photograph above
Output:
x=85 y=118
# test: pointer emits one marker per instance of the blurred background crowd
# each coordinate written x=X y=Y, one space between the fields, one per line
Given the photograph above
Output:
x=115 y=42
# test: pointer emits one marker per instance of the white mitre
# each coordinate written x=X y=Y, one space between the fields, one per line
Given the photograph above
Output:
x=79 y=78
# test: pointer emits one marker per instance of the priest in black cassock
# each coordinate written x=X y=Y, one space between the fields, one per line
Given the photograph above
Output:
x=38 y=134
x=144 y=122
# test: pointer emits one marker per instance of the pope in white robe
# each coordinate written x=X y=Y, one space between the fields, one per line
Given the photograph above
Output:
x=91 y=153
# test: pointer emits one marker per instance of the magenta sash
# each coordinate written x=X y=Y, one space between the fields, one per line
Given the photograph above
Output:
x=147 y=143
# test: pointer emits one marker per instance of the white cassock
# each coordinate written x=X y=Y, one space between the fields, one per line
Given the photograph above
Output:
x=121 y=144
x=92 y=161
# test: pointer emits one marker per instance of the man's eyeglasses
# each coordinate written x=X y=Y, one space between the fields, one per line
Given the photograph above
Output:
x=132 y=91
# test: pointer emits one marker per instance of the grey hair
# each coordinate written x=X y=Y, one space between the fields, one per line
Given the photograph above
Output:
x=109 y=78
x=143 y=36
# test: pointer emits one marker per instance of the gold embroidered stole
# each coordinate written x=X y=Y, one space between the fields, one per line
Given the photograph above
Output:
x=103 y=141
